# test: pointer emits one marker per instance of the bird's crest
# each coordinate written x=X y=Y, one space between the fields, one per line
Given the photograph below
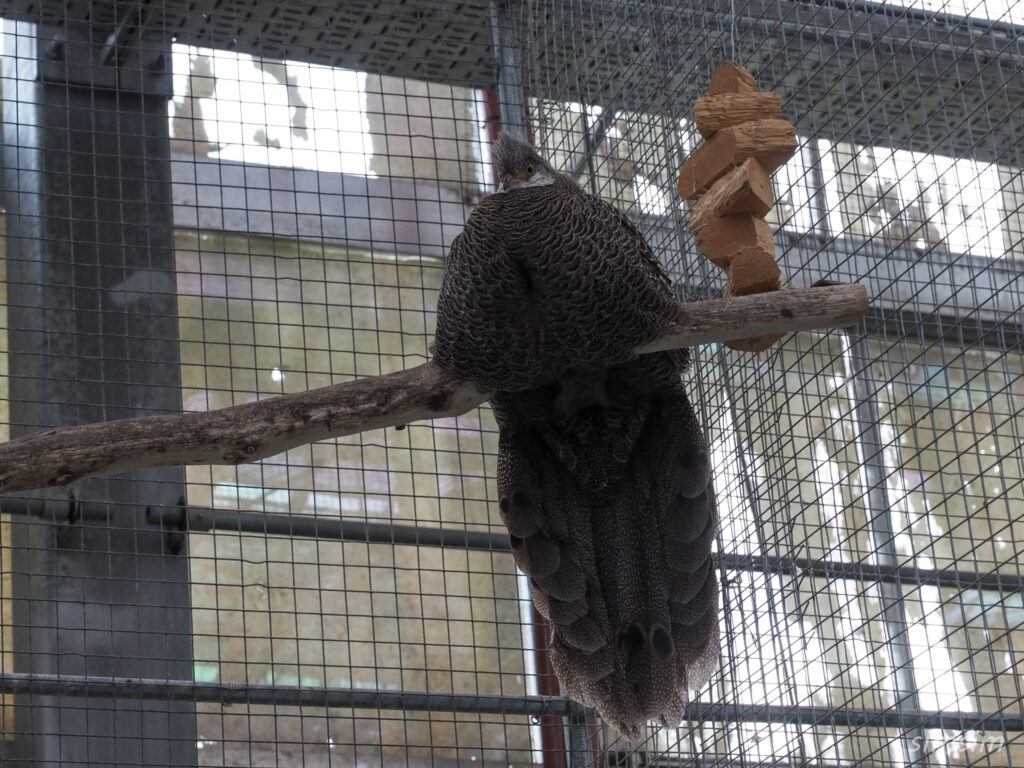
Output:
x=510 y=153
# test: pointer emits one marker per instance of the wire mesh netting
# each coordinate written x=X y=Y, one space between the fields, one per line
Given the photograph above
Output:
x=212 y=204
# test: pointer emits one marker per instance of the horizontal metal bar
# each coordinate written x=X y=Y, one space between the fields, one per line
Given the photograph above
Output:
x=55 y=510
x=634 y=759
x=950 y=324
x=796 y=566
x=382 y=533
x=202 y=519
x=482 y=703
x=852 y=718
x=282 y=695
x=322 y=527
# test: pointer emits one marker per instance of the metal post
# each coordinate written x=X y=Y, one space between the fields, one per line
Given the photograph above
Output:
x=894 y=614
x=593 y=137
x=819 y=199
x=508 y=61
x=93 y=336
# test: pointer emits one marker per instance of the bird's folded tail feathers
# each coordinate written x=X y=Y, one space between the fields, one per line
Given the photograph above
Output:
x=622 y=571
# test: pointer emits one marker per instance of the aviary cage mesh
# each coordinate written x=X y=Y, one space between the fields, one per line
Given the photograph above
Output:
x=210 y=203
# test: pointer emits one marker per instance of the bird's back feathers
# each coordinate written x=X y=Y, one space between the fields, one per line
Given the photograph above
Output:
x=545 y=280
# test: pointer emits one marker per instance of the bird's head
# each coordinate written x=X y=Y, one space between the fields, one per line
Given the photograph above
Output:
x=519 y=165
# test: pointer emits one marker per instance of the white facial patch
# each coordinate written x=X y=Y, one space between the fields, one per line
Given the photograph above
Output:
x=541 y=178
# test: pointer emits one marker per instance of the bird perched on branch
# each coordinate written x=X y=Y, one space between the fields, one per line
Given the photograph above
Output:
x=603 y=476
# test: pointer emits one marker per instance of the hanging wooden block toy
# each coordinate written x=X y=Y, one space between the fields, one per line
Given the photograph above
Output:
x=729 y=176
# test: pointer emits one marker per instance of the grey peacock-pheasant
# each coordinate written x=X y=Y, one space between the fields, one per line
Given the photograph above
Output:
x=604 y=481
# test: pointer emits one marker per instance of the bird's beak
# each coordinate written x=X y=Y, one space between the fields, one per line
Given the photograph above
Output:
x=505 y=183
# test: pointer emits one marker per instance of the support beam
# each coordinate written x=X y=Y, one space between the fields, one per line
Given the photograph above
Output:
x=497 y=704
x=93 y=335
x=331 y=528
x=952 y=103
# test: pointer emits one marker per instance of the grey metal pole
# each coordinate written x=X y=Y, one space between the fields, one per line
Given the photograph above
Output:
x=894 y=614
x=268 y=694
x=93 y=333
x=178 y=519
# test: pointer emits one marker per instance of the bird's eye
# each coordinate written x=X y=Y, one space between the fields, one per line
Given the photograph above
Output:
x=529 y=170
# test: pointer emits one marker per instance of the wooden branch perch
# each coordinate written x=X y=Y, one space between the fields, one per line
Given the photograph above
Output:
x=253 y=431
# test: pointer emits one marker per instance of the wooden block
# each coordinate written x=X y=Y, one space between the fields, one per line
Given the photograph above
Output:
x=753 y=344
x=731 y=78
x=712 y=113
x=752 y=270
x=723 y=236
x=772 y=142
x=747 y=189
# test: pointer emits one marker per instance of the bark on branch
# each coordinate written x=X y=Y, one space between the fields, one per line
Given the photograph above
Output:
x=253 y=431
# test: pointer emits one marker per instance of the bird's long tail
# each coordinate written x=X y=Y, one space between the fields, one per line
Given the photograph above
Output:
x=604 y=485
